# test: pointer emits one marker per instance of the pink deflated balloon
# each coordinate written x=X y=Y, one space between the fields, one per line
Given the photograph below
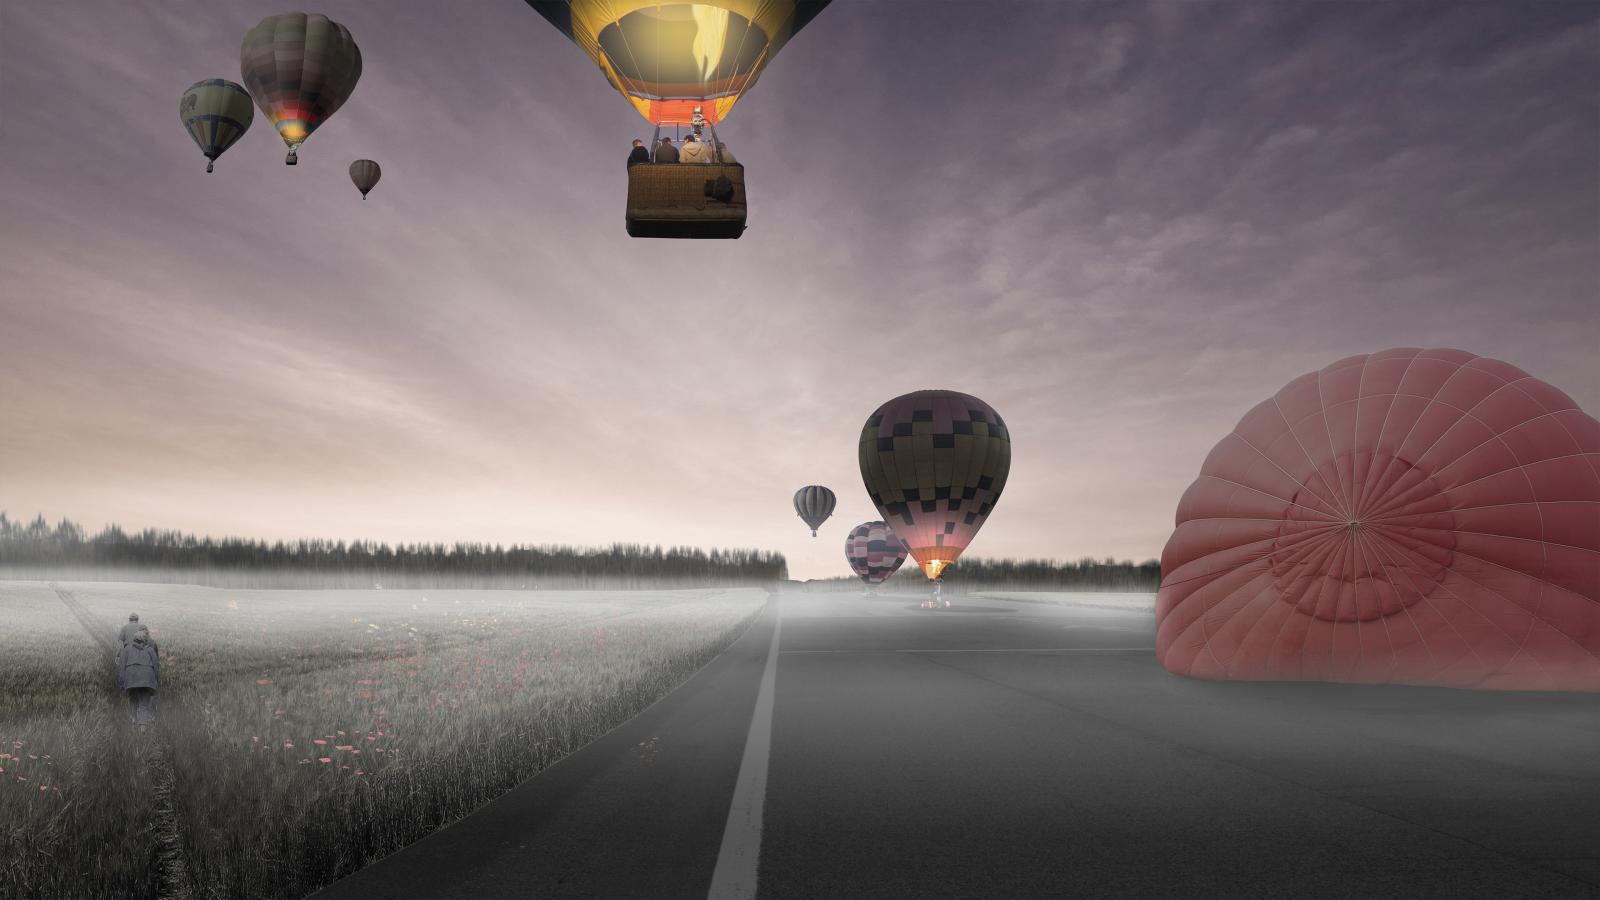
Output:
x=1411 y=516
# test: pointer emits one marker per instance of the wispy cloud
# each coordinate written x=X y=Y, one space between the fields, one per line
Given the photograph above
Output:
x=1121 y=224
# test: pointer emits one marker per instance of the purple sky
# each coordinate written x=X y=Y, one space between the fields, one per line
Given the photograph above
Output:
x=1121 y=225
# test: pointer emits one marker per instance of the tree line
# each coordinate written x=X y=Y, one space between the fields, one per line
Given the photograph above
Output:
x=978 y=573
x=37 y=545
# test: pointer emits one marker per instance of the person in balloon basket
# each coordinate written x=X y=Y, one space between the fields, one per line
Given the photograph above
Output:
x=695 y=150
x=665 y=152
x=139 y=673
x=638 y=154
x=724 y=155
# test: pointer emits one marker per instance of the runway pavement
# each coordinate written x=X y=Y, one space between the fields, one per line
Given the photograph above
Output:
x=1010 y=749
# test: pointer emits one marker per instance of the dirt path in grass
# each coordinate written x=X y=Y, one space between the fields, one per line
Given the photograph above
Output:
x=157 y=757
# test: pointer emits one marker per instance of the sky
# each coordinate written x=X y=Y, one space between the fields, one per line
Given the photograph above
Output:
x=1122 y=225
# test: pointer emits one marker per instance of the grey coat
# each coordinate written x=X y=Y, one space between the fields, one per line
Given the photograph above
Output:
x=138 y=666
x=128 y=631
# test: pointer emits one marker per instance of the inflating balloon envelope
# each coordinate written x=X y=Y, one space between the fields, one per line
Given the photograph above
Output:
x=1413 y=516
x=682 y=64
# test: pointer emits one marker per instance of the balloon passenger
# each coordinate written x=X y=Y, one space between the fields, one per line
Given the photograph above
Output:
x=665 y=152
x=695 y=151
x=638 y=154
x=139 y=673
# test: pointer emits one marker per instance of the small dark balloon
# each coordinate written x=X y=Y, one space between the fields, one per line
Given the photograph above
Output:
x=365 y=173
x=814 y=504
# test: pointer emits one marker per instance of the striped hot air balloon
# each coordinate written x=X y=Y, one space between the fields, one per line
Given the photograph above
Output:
x=814 y=504
x=365 y=173
x=216 y=113
x=874 y=551
x=935 y=463
x=300 y=67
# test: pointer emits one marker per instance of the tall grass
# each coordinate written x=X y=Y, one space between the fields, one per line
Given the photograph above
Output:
x=310 y=733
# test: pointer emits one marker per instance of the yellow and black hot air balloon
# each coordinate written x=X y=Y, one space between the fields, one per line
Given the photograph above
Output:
x=682 y=64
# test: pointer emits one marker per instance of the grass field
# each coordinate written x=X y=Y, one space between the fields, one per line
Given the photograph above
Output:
x=302 y=734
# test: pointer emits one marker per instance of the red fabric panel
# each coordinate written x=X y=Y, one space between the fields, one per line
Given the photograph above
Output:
x=682 y=110
x=1421 y=517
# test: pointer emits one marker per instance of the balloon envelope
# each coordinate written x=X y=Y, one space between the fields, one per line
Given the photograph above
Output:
x=1417 y=516
x=668 y=56
x=365 y=173
x=814 y=504
x=216 y=113
x=934 y=463
x=874 y=551
x=300 y=68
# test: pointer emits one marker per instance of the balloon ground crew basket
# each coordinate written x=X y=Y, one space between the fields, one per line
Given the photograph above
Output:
x=683 y=200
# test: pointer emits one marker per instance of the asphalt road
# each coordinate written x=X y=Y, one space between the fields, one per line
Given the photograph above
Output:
x=1007 y=749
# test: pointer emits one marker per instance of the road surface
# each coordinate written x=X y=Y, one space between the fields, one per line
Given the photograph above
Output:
x=1012 y=749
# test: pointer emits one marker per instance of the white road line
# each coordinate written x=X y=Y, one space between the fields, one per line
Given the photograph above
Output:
x=735 y=875
x=998 y=650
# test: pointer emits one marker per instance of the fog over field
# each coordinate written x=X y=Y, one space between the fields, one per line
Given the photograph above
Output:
x=330 y=726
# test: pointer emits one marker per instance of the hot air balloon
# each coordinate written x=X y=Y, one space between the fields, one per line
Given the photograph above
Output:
x=935 y=463
x=1424 y=517
x=300 y=67
x=216 y=113
x=814 y=504
x=682 y=64
x=874 y=551
x=365 y=173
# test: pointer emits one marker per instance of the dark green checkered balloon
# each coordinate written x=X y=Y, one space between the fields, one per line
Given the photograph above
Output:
x=934 y=463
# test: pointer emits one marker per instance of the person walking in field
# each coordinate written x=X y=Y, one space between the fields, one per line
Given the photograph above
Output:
x=129 y=630
x=139 y=674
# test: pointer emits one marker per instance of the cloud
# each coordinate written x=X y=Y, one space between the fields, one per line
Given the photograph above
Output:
x=1120 y=224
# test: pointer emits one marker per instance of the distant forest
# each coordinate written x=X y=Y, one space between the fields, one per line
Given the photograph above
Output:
x=65 y=551
x=66 y=548
x=978 y=574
